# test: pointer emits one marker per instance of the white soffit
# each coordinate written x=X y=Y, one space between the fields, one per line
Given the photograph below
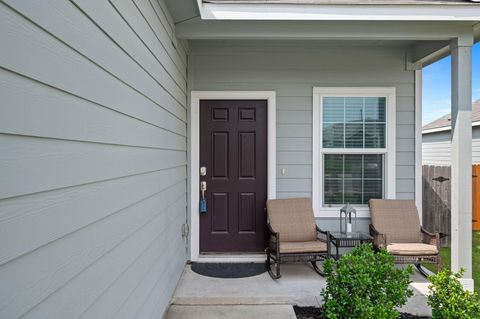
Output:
x=417 y=12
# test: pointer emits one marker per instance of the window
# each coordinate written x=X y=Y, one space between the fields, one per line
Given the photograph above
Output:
x=354 y=146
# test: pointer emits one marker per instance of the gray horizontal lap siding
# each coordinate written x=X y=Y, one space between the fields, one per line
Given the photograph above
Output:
x=292 y=70
x=436 y=148
x=92 y=159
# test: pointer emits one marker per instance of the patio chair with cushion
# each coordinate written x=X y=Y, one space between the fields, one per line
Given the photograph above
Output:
x=294 y=235
x=396 y=227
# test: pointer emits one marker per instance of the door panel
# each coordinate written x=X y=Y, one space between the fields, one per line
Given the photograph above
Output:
x=233 y=148
x=246 y=154
x=246 y=212
x=220 y=143
x=219 y=211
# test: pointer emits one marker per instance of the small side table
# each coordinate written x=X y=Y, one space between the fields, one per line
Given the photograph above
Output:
x=343 y=240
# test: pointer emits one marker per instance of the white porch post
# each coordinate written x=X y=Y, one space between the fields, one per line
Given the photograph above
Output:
x=461 y=232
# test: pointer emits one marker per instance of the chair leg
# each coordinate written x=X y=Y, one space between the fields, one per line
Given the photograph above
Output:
x=268 y=265
x=277 y=264
x=422 y=270
x=317 y=269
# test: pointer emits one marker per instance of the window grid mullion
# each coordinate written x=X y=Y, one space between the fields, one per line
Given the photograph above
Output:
x=363 y=122
x=363 y=178
x=344 y=122
x=343 y=179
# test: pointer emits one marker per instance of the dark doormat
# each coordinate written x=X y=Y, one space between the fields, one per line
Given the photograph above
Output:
x=229 y=270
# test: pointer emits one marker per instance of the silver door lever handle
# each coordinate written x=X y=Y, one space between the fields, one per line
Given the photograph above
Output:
x=203 y=188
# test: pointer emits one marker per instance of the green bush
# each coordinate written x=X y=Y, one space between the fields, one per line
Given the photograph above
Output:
x=449 y=300
x=364 y=284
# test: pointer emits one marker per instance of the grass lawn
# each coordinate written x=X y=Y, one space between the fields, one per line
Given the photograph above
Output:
x=445 y=253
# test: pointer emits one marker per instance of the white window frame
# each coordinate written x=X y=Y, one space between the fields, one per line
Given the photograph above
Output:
x=389 y=151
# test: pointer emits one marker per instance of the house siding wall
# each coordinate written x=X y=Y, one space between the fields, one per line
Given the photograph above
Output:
x=92 y=159
x=292 y=69
x=437 y=148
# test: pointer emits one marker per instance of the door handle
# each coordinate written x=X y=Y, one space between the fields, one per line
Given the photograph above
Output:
x=203 y=201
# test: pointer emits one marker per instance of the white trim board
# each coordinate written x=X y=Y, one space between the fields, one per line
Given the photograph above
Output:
x=370 y=12
x=194 y=164
x=390 y=157
x=418 y=143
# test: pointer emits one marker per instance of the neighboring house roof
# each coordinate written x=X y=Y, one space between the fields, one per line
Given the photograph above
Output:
x=348 y=2
x=443 y=123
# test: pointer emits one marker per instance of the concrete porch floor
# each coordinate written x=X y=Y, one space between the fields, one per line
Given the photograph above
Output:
x=299 y=285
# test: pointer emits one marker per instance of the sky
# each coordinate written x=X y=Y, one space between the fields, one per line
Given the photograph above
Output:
x=436 y=86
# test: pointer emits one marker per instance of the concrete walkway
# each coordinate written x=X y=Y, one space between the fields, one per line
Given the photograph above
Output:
x=299 y=285
x=231 y=312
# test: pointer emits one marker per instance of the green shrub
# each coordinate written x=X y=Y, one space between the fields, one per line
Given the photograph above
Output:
x=449 y=300
x=364 y=284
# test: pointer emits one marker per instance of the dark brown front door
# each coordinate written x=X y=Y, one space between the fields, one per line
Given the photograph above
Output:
x=233 y=148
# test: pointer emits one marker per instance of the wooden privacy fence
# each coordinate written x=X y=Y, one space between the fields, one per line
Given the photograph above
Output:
x=437 y=195
x=476 y=197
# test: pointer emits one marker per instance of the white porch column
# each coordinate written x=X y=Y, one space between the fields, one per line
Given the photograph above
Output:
x=461 y=232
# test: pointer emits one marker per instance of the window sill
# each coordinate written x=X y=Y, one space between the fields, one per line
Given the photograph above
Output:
x=334 y=212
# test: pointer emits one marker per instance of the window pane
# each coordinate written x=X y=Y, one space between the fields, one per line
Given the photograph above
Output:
x=374 y=135
x=354 y=135
x=333 y=191
x=333 y=166
x=333 y=109
x=354 y=110
x=372 y=189
x=353 y=191
x=353 y=166
x=373 y=166
x=333 y=135
x=375 y=109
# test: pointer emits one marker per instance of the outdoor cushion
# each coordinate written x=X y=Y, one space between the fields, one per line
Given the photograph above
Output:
x=303 y=247
x=412 y=249
x=397 y=219
x=293 y=219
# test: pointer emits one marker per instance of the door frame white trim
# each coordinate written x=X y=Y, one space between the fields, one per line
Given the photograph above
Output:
x=194 y=163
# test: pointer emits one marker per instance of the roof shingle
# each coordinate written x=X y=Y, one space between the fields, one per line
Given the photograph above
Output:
x=445 y=121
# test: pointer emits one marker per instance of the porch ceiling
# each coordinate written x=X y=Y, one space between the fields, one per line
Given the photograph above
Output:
x=428 y=40
x=347 y=2
x=321 y=30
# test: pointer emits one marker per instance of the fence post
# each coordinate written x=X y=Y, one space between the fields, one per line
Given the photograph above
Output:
x=476 y=197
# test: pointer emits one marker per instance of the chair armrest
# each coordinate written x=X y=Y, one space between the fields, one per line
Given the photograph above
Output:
x=379 y=240
x=271 y=231
x=324 y=236
x=275 y=235
x=430 y=238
